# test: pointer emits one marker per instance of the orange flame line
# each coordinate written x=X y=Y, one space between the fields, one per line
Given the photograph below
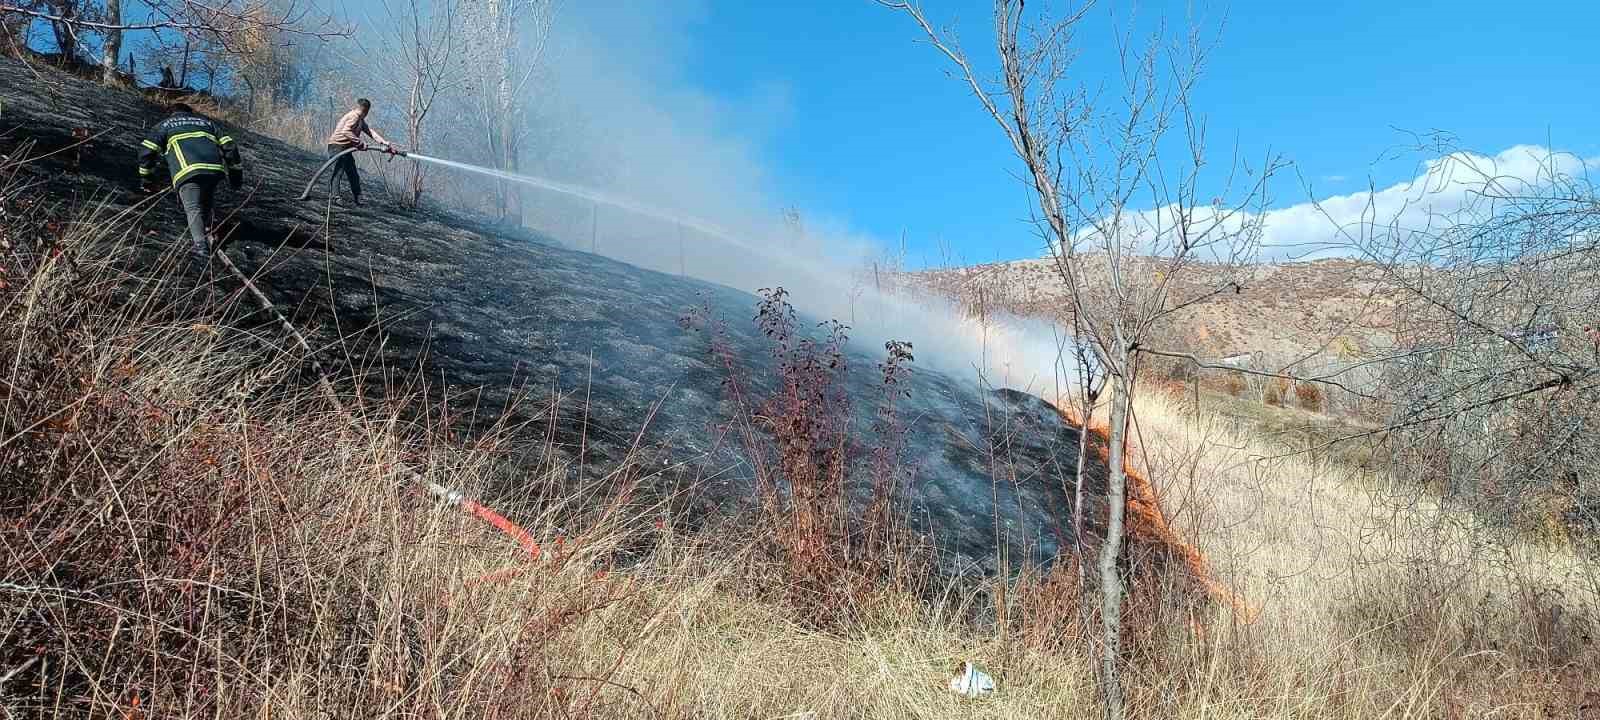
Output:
x=1148 y=523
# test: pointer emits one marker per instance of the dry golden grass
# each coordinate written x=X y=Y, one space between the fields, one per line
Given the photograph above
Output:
x=1359 y=578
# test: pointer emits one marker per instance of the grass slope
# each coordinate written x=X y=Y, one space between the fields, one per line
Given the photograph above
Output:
x=184 y=533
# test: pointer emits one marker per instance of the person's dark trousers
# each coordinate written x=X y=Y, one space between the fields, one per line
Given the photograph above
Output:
x=198 y=195
x=346 y=165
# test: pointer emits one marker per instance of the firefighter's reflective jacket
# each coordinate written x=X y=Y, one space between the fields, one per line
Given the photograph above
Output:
x=192 y=147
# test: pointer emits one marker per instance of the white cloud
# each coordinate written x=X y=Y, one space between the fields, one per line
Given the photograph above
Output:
x=1335 y=225
x=1445 y=186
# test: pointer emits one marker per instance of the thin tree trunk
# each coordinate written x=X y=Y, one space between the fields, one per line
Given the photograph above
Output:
x=508 y=150
x=1111 y=547
x=1077 y=484
x=66 y=39
x=508 y=115
x=113 y=42
x=183 y=72
x=414 y=137
x=1086 y=385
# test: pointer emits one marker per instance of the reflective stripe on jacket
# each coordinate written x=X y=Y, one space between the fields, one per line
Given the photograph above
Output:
x=191 y=145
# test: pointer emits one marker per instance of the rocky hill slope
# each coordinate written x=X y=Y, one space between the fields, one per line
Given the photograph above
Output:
x=595 y=349
x=1336 y=308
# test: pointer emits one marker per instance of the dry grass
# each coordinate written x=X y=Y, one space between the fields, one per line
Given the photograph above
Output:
x=1289 y=428
x=186 y=533
x=1363 y=586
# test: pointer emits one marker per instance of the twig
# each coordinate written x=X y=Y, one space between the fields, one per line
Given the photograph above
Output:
x=18 y=669
x=611 y=683
x=283 y=322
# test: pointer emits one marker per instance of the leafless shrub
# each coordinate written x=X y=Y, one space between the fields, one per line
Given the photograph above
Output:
x=1309 y=396
x=1497 y=387
x=806 y=457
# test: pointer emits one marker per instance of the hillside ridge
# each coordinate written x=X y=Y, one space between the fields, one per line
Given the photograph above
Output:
x=1336 y=307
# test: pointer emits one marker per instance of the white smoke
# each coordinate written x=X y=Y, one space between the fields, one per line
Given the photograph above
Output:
x=685 y=192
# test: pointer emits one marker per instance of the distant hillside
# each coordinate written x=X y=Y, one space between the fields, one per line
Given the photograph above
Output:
x=1335 y=310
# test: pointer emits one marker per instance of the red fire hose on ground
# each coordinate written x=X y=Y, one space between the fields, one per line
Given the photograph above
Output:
x=473 y=507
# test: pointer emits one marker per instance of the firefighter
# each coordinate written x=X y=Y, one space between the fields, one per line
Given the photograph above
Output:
x=347 y=134
x=198 y=157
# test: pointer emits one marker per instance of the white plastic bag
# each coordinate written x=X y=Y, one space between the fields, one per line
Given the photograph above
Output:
x=970 y=681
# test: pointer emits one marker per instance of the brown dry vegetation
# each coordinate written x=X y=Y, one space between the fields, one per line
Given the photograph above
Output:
x=187 y=532
x=1353 y=570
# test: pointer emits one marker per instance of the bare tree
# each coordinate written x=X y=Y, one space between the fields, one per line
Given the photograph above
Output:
x=510 y=38
x=428 y=41
x=228 y=23
x=1496 y=386
x=111 y=43
x=1091 y=165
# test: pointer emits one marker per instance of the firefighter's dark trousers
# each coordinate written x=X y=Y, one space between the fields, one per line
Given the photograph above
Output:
x=198 y=194
x=346 y=165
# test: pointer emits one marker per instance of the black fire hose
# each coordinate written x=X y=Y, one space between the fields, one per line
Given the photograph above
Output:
x=388 y=149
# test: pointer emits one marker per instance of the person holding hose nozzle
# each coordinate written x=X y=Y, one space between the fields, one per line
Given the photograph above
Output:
x=347 y=134
x=198 y=156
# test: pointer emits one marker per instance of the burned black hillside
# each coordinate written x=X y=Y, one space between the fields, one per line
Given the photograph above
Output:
x=488 y=314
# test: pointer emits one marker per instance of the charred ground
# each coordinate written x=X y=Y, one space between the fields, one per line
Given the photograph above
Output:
x=507 y=326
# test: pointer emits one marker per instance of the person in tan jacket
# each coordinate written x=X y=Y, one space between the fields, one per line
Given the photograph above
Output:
x=347 y=134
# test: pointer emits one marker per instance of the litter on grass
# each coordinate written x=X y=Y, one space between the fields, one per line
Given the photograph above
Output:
x=971 y=681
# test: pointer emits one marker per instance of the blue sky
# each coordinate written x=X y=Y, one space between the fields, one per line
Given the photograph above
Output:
x=729 y=109
x=847 y=116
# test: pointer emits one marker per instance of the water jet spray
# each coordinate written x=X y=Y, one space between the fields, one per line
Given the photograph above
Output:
x=591 y=194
